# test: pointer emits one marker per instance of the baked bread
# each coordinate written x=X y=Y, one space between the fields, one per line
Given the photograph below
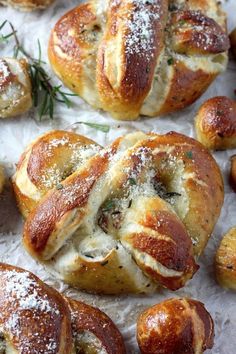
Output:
x=216 y=123
x=124 y=220
x=226 y=260
x=232 y=38
x=15 y=87
x=175 y=326
x=27 y=5
x=35 y=318
x=2 y=179
x=232 y=177
x=140 y=57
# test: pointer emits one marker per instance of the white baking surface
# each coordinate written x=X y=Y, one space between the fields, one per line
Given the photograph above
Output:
x=15 y=134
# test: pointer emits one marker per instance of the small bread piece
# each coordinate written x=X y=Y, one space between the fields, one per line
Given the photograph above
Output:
x=225 y=261
x=35 y=318
x=27 y=5
x=15 y=87
x=139 y=57
x=216 y=123
x=175 y=326
x=232 y=38
x=2 y=179
x=232 y=177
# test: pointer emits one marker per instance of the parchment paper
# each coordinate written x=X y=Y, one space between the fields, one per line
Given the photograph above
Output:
x=15 y=134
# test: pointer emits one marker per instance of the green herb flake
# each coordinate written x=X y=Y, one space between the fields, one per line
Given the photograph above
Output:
x=182 y=22
x=59 y=186
x=108 y=205
x=89 y=256
x=189 y=155
x=101 y=127
x=132 y=181
x=44 y=94
x=170 y=61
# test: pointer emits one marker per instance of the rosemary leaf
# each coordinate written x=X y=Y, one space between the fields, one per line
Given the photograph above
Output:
x=4 y=38
x=101 y=127
x=44 y=93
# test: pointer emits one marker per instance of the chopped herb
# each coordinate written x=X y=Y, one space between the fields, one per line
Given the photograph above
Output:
x=101 y=127
x=116 y=212
x=108 y=205
x=89 y=256
x=182 y=22
x=4 y=38
x=189 y=155
x=172 y=194
x=59 y=186
x=173 y=7
x=44 y=94
x=132 y=181
x=130 y=203
x=104 y=263
x=147 y=70
x=170 y=61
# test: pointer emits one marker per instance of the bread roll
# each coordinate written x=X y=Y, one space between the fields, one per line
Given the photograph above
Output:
x=35 y=318
x=134 y=58
x=125 y=218
x=232 y=177
x=175 y=326
x=216 y=123
x=15 y=87
x=226 y=260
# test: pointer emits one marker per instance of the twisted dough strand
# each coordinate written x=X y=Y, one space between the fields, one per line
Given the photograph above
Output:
x=131 y=215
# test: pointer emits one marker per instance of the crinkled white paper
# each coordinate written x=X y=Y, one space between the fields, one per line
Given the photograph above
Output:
x=15 y=134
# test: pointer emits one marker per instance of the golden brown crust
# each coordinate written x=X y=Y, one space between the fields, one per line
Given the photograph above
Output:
x=86 y=318
x=183 y=80
x=46 y=163
x=225 y=261
x=216 y=123
x=28 y=304
x=195 y=33
x=232 y=177
x=73 y=195
x=34 y=315
x=175 y=326
x=112 y=220
x=2 y=178
x=27 y=5
x=127 y=93
x=126 y=47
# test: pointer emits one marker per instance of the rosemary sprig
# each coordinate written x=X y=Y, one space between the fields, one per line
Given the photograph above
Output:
x=101 y=127
x=44 y=93
x=4 y=38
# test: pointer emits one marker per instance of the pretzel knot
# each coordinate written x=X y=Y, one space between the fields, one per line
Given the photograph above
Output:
x=35 y=318
x=120 y=219
x=131 y=57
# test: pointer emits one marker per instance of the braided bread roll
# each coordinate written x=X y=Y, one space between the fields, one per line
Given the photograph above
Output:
x=35 y=318
x=175 y=326
x=15 y=87
x=27 y=5
x=133 y=57
x=119 y=219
